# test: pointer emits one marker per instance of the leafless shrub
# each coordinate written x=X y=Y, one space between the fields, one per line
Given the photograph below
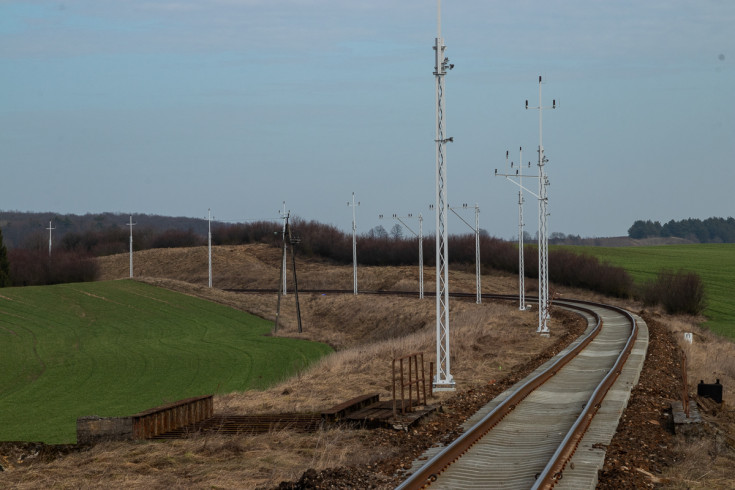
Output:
x=680 y=292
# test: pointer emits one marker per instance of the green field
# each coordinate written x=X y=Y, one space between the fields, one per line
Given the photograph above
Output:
x=116 y=348
x=715 y=263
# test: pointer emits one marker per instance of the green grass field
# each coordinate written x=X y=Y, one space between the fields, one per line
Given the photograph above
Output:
x=715 y=263
x=120 y=347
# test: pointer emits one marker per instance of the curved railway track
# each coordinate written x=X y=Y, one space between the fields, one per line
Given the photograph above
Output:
x=527 y=437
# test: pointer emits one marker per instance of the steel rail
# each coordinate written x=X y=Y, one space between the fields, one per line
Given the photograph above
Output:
x=555 y=467
x=436 y=465
x=553 y=471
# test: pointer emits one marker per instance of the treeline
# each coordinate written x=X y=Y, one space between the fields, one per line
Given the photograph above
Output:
x=22 y=228
x=710 y=230
x=72 y=259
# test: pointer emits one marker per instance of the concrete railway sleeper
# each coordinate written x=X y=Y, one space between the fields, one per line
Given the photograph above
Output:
x=527 y=436
x=526 y=439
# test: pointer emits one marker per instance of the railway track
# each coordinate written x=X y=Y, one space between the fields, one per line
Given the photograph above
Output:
x=527 y=437
x=552 y=428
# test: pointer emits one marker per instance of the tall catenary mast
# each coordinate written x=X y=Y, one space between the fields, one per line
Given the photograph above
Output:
x=443 y=379
x=521 y=262
x=543 y=238
x=354 y=243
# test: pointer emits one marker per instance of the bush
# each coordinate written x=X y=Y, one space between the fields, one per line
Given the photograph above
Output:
x=4 y=264
x=678 y=292
x=36 y=268
x=586 y=271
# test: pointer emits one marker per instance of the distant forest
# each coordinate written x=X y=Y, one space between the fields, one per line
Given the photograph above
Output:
x=710 y=230
x=30 y=230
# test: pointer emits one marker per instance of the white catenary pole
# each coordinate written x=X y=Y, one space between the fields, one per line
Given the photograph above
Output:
x=421 y=256
x=521 y=261
x=521 y=258
x=420 y=236
x=209 y=242
x=476 y=230
x=131 y=224
x=443 y=379
x=50 y=229
x=284 y=216
x=543 y=239
x=354 y=243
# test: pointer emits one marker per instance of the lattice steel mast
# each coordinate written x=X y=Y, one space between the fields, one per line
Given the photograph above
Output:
x=543 y=239
x=443 y=379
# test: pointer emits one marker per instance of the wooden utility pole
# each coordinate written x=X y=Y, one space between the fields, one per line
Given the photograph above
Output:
x=293 y=241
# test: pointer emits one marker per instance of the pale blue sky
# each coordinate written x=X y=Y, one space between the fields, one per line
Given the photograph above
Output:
x=174 y=107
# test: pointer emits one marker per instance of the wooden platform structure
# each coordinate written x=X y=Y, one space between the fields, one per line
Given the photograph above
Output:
x=380 y=414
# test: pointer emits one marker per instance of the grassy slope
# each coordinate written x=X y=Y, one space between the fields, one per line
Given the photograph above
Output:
x=116 y=348
x=715 y=263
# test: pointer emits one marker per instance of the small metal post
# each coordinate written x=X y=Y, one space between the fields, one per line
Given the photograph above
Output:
x=403 y=394
x=394 y=387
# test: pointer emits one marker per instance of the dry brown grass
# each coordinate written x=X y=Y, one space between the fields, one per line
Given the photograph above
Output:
x=367 y=332
x=709 y=356
x=703 y=464
x=208 y=462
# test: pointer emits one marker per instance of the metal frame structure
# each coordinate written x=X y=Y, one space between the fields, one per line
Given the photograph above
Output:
x=443 y=379
x=131 y=224
x=354 y=244
x=476 y=229
x=521 y=259
x=420 y=236
x=543 y=238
